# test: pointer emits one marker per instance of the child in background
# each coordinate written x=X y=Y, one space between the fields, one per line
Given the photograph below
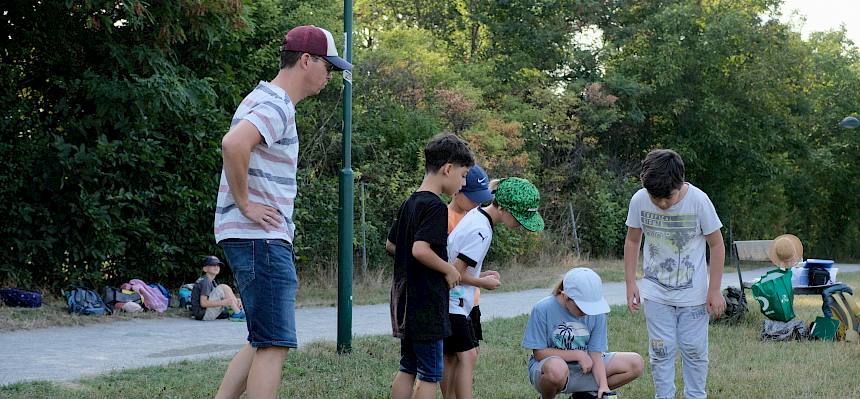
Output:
x=210 y=300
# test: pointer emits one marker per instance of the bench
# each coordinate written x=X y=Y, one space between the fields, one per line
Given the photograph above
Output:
x=757 y=251
x=750 y=251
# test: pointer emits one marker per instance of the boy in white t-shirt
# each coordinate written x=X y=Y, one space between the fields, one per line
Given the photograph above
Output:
x=515 y=204
x=677 y=291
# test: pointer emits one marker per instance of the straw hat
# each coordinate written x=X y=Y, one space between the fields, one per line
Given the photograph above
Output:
x=786 y=250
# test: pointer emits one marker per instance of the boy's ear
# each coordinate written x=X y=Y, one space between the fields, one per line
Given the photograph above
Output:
x=446 y=168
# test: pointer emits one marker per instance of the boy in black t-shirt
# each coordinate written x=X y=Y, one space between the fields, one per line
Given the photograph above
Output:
x=422 y=275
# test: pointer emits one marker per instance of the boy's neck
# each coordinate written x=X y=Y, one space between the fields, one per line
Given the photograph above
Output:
x=494 y=212
x=457 y=208
x=432 y=182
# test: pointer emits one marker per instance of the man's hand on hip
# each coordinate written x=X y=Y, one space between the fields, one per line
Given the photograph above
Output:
x=266 y=216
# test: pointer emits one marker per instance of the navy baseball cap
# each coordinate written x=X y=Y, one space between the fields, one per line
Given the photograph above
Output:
x=477 y=186
x=212 y=261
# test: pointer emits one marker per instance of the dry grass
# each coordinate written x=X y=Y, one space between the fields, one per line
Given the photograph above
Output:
x=54 y=312
x=318 y=287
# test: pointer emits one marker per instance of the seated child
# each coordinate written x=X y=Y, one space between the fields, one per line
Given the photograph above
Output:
x=210 y=300
x=567 y=334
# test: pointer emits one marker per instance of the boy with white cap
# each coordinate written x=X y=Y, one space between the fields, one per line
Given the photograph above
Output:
x=567 y=334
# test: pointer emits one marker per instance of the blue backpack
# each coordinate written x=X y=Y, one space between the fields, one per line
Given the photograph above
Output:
x=164 y=292
x=22 y=298
x=185 y=296
x=86 y=302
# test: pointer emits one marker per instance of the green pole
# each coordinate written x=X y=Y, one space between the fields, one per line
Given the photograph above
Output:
x=345 y=209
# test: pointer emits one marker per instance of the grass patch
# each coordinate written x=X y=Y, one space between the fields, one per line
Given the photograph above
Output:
x=742 y=366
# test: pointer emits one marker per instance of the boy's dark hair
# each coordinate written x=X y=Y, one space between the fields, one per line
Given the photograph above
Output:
x=446 y=148
x=289 y=58
x=662 y=172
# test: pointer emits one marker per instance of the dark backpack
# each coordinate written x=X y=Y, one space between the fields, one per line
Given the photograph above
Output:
x=86 y=302
x=197 y=311
x=818 y=275
x=111 y=296
x=736 y=306
x=21 y=298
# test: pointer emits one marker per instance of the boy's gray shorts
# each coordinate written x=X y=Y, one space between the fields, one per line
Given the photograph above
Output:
x=576 y=381
x=212 y=313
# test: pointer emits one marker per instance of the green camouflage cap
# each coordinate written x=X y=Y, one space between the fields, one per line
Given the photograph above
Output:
x=521 y=198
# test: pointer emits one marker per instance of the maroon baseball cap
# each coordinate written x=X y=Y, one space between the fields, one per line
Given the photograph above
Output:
x=315 y=41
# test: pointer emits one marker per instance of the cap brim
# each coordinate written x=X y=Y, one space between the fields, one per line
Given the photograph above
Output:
x=531 y=223
x=593 y=308
x=480 y=196
x=339 y=64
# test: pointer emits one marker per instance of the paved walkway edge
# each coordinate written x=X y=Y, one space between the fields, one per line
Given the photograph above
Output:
x=69 y=353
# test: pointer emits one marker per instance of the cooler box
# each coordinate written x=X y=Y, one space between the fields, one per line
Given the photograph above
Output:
x=799 y=277
x=819 y=263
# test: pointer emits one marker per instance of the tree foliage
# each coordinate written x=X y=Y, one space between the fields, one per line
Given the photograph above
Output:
x=113 y=111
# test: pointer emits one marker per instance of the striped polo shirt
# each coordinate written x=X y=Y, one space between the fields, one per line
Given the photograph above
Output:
x=272 y=168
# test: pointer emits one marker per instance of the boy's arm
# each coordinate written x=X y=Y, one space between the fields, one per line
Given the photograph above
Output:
x=390 y=247
x=489 y=282
x=423 y=253
x=206 y=303
x=631 y=257
x=598 y=370
x=236 y=149
x=716 y=302
x=566 y=355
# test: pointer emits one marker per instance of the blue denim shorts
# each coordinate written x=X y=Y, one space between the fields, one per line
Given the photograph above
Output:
x=422 y=358
x=266 y=278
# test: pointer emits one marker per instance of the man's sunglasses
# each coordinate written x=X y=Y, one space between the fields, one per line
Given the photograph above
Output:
x=328 y=65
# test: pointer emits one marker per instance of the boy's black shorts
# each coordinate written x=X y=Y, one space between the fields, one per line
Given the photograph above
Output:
x=462 y=336
x=475 y=315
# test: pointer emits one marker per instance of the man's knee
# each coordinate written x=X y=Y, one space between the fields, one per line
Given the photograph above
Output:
x=554 y=372
x=274 y=351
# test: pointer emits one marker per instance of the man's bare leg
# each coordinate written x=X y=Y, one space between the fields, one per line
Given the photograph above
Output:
x=236 y=377
x=264 y=378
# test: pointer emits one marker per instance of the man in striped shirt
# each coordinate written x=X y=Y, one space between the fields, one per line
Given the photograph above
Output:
x=253 y=218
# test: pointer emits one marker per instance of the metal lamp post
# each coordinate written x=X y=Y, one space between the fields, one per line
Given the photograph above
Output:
x=346 y=205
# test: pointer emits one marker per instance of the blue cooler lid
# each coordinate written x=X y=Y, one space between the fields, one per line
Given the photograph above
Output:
x=818 y=263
